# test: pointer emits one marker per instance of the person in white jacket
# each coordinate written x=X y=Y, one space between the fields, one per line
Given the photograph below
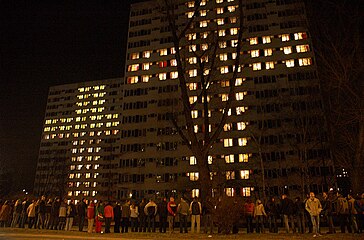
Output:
x=31 y=213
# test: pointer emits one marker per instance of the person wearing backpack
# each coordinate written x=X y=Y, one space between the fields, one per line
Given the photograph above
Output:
x=343 y=213
x=195 y=210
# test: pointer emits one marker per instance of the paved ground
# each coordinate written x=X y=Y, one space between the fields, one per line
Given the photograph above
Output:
x=33 y=234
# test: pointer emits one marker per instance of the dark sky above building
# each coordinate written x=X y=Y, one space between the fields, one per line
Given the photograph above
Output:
x=47 y=43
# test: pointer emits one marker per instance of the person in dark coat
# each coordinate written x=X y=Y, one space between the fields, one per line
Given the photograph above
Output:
x=125 y=216
x=142 y=216
x=287 y=207
x=55 y=213
x=81 y=212
x=117 y=217
x=328 y=211
x=299 y=215
x=272 y=211
x=163 y=213
x=41 y=212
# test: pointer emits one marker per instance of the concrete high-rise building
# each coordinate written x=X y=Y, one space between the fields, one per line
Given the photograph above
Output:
x=81 y=128
x=126 y=145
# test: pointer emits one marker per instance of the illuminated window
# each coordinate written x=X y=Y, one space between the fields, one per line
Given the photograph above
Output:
x=244 y=174
x=193 y=160
x=230 y=175
x=285 y=37
x=192 y=48
x=268 y=52
x=204 y=35
x=229 y=158
x=233 y=31
x=203 y=2
x=133 y=67
x=193 y=99
x=219 y=1
x=173 y=62
x=266 y=39
x=287 y=50
x=193 y=176
x=146 y=54
x=192 y=60
x=134 y=55
x=132 y=80
x=243 y=157
x=241 y=125
x=174 y=75
x=203 y=24
x=304 y=61
x=191 y=36
x=222 y=33
x=145 y=66
x=257 y=66
x=224 y=97
x=245 y=192
x=300 y=35
x=88 y=175
x=192 y=86
x=223 y=57
x=145 y=78
x=228 y=142
x=220 y=21
x=190 y=14
x=219 y=10
x=195 y=192
x=230 y=192
x=163 y=52
x=242 y=142
x=224 y=69
x=240 y=110
x=222 y=44
x=254 y=53
x=290 y=63
x=269 y=65
x=162 y=76
x=231 y=8
x=302 y=48
x=240 y=95
x=233 y=19
x=194 y=113
x=192 y=73
x=228 y=127
x=253 y=40
x=203 y=13
x=71 y=175
x=191 y=4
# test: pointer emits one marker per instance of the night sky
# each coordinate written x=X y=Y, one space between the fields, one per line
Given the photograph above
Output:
x=47 y=43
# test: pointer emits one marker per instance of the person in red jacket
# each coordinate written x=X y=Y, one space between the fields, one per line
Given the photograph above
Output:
x=109 y=215
x=90 y=216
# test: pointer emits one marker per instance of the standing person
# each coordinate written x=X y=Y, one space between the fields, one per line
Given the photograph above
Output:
x=307 y=216
x=343 y=213
x=90 y=216
x=150 y=211
x=24 y=212
x=55 y=213
x=134 y=213
x=99 y=216
x=16 y=213
x=163 y=213
x=62 y=215
x=313 y=207
x=5 y=214
x=327 y=211
x=183 y=210
x=125 y=215
x=207 y=211
x=41 y=212
x=360 y=209
x=109 y=215
x=273 y=212
x=353 y=213
x=259 y=214
x=299 y=214
x=249 y=213
x=117 y=217
x=287 y=206
x=48 y=213
x=195 y=210
x=31 y=214
x=71 y=213
x=172 y=212
x=142 y=216
x=81 y=212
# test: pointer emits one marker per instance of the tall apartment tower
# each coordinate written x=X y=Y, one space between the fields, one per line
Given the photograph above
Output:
x=275 y=132
x=81 y=126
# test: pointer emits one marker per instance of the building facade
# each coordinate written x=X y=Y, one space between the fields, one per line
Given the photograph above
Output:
x=81 y=127
x=274 y=139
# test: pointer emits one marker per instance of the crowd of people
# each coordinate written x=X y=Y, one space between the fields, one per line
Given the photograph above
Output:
x=293 y=215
